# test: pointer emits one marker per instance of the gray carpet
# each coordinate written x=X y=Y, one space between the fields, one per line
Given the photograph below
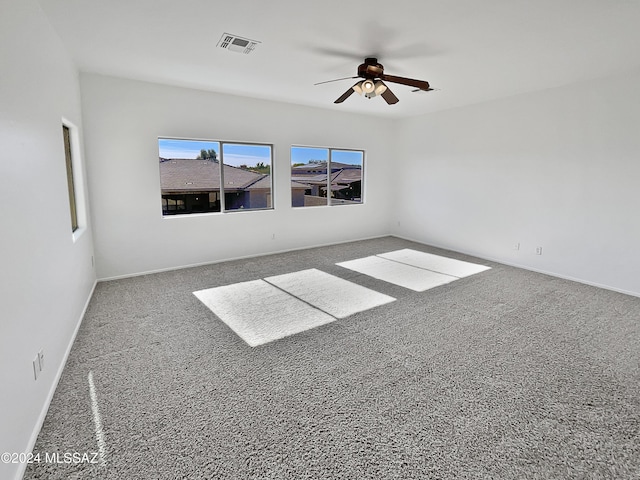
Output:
x=500 y=375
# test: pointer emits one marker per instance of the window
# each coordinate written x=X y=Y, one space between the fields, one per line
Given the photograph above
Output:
x=198 y=176
x=326 y=176
x=66 y=133
x=247 y=176
x=75 y=178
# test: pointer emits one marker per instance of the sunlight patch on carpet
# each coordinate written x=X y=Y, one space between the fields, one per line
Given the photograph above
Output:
x=408 y=276
x=331 y=294
x=435 y=263
x=260 y=313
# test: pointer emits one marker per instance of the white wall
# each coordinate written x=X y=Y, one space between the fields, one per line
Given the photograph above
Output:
x=558 y=168
x=46 y=277
x=123 y=119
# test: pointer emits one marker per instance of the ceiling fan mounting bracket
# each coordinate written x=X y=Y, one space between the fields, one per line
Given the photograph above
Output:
x=370 y=69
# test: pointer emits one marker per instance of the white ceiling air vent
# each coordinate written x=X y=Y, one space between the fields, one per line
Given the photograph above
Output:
x=236 y=43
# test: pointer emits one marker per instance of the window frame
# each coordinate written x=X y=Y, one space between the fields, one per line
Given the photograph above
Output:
x=330 y=152
x=221 y=193
x=75 y=178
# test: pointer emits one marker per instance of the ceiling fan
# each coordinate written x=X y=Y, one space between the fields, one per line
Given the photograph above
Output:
x=372 y=83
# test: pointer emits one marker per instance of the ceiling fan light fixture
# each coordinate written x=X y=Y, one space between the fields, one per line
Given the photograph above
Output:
x=380 y=88
x=358 y=88
x=368 y=86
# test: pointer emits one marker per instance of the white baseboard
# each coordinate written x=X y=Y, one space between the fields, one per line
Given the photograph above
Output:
x=525 y=267
x=276 y=252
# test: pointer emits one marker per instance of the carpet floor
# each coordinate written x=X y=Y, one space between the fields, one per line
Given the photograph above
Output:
x=504 y=374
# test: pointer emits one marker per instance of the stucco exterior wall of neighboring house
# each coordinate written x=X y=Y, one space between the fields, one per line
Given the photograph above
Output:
x=297 y=197
x=314 y=201
x=260 y=198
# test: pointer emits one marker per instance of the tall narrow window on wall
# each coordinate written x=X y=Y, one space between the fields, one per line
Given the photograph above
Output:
x=75 y=179
x=326 y=176
x=199 y=176
x=68 y=155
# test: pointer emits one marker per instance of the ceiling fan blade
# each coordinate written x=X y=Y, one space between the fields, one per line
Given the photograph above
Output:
x=345 y=95
x=389 y=97
x=336 y=80
x=419 y=84
x=427 y=90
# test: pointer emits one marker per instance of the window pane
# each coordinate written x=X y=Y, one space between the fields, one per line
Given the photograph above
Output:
x=309 y=176
x=66 y=133
x=247 y=176
x=346 y=176
x=189 y=175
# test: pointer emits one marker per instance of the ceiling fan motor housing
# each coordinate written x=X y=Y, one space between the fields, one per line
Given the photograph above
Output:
x=370 y=68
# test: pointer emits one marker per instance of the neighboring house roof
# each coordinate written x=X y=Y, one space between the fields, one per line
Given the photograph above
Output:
x=262 y=183
x=186 y=175
x=335 y=188
x=189 y=175
x=316 y=173
x=321 y=167
x=238 y=179
x=181 y=175
x=339 y=180
x=309 y=179
x=347 y=176
x=298 y=185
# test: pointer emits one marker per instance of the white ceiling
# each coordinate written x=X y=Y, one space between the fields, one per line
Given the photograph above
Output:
x=470 y=50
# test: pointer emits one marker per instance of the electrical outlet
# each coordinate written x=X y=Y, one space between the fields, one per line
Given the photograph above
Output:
x=538 y=250
x=273 y=236
x=516 y=246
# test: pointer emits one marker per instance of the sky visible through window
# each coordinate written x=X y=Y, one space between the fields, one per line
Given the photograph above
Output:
x=250 y=155
x=234 y=154
x=305 y=154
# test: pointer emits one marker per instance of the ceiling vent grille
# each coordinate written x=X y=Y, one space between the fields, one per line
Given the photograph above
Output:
x=238 y=44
